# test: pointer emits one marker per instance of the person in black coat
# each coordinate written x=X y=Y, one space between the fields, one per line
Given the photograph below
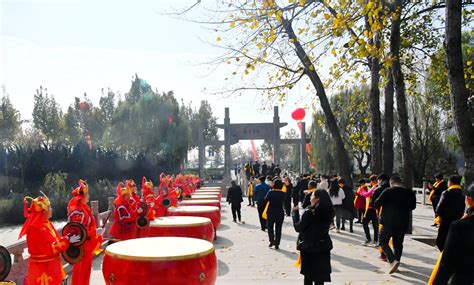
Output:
x=264 y=169
x=307 y=193
x=383 y=182
x=275 y=215
x=397 y=202
x=288 y=196
x=234 y=197
x=437 y=189
x=347 y=205
x=458 y=252
x=450 y=208
x=314 y=242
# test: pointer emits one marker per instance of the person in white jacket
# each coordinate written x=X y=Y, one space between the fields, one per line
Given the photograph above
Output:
x=337 y=195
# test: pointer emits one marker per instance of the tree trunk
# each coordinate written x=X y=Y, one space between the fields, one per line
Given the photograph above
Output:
x=374 y=103
x=457 y=86
x=342 y=156
x=399 y=85
x=388 y=124
x=375 y=121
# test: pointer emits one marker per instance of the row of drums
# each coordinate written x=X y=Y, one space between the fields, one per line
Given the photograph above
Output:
x=176 y=249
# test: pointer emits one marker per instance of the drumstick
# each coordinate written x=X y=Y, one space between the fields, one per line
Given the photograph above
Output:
x=106 y=219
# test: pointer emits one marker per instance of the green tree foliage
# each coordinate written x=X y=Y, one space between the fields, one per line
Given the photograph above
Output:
x=47 y=116
x=153 y=126
x=10 y=121
x=202 y=120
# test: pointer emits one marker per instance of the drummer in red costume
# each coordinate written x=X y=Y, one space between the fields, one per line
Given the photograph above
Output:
x=44 y=243
x=132 y=188
x=125 y=215
x=79 y=211
x=148 y=197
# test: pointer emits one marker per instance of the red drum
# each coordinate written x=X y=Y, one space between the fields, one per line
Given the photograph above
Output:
x=160 y=260
x=192 y=227
x=210 y=212
x=204 y=197
x=215 y=203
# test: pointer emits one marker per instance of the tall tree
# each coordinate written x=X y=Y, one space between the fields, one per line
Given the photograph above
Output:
x=10 y=121
x=457 y=86
x=399 y=87
x=47 y=115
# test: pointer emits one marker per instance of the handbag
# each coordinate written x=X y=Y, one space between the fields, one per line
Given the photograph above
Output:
x=316 y=246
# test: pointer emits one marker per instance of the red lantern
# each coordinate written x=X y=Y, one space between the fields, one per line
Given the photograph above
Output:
x=298 y=114
x=83 y=106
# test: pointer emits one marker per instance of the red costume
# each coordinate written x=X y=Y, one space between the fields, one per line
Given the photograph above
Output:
x=44 y=244
x=360 y=199
x=148 y=197
x=125 y=215
x=82 y=213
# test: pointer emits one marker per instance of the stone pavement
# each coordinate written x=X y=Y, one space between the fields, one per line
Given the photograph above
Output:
x=244 y=258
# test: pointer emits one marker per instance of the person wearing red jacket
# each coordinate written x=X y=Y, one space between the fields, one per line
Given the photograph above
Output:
x=44 y=243
x=359 y=201
x=125 y=215
x=79 y=211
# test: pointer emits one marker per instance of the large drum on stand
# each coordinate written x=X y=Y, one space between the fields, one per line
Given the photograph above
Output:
x=181 y=226
x=160 y=260
x=204 y=197
x=210 y=212
x=215 y=203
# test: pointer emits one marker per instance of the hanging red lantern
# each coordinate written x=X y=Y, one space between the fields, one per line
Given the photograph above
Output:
x=298 y=114
x=83 y=105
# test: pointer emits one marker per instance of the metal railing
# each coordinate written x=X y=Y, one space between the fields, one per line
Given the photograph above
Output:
x=20 y=262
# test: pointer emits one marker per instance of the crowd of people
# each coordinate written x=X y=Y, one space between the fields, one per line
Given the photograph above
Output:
x=328 y=202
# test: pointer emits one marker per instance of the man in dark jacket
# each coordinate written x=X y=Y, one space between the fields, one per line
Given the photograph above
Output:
x=256 y=169
x=436 y=190
x=259 y=193
x=234 y=197
x=302 y=186
x=307 y=193
x=383 y=182
x=264 y=168
x=275 y=215
x=347 y=205
x=456 y=259
x=450 y=208
x=277 y=171
x=395 y=204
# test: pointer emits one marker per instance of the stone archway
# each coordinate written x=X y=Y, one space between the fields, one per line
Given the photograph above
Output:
x=269 y=132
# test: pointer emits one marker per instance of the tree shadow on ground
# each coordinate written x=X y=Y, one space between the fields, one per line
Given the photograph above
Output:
x=425 y=259
x=397 y=276
x=249 y=226
x=420 y=273
x=222 y=268
x=356 y=264
x=223 y=227
x=289 y=254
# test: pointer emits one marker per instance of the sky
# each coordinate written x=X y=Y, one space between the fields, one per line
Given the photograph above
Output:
x=74 y=47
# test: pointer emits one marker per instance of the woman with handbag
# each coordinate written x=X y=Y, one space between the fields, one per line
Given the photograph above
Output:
x=314 y=242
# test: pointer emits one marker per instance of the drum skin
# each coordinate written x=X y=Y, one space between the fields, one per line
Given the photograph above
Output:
x=204 y=197
x=123 y=267
x=210 y=202
x=181 y=226
x=219 y=194
x=210 y=212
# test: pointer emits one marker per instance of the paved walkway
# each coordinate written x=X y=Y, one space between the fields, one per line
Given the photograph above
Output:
x=244 y=257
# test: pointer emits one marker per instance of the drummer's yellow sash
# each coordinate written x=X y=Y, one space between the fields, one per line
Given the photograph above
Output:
x=264 y=214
